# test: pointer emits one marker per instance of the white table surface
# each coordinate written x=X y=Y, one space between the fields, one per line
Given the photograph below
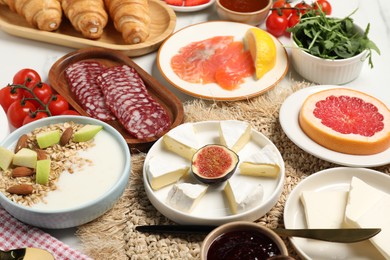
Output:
x=17 y=53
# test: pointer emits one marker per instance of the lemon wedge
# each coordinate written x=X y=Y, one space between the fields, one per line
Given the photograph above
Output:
x=262 y=48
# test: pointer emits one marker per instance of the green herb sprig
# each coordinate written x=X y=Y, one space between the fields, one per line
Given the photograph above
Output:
x=331 y=38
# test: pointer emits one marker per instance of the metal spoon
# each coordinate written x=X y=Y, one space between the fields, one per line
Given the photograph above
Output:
x=28 y=253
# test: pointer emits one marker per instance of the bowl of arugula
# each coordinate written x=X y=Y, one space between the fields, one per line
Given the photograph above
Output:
x=328 y=50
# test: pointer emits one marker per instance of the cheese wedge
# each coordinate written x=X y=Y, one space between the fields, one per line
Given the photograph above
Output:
x=242 y=195
x=234 y=134
x=162 y=173
x=263 y=163
x=369 y=207
x=185 y=196
x=324 y=209
x=182 y=140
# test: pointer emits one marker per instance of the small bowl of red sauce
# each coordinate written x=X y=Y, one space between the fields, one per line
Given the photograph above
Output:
x=252 y=12
x=242 y=240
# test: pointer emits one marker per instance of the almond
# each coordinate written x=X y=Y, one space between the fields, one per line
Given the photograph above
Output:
x=22 y=172
x=21 y=189
x=41 y=154
x=66 y=136
x=22 y=143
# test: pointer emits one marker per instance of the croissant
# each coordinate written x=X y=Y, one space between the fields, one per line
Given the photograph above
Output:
x=87 y=16
x=46 y=15
x=131 y=18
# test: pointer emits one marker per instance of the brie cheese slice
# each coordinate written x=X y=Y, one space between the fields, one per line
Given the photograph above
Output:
x=182 y=140
x=242 y=195
x=185 y=196
x=263 y=163
x=234 y=134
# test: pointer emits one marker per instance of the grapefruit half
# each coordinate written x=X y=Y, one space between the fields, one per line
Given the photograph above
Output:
x=346 y=121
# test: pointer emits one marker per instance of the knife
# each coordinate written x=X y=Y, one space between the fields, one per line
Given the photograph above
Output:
x=343 y=235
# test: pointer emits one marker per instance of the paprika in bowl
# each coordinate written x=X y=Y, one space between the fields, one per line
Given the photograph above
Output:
x=253 y=12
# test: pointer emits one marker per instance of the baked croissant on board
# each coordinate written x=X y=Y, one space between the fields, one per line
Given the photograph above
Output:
x=87 y=16
x=131 y=18
x=46 y=15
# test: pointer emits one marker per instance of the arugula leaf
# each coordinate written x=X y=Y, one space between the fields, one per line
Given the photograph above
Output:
x=331 y=38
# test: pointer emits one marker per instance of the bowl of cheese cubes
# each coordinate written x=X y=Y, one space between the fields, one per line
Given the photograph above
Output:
x=244 y=183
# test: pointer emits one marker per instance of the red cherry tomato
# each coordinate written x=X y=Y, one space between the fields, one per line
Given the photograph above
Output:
x=293 y=20
x=324 y=5
x=283 y=4
x=58 y=104
x=8 y=95
x=17 y=111
x=70 y=112
x=28 y=76
x=31 y=117
x=276 y=24
x=304 y=7
x=42 y=91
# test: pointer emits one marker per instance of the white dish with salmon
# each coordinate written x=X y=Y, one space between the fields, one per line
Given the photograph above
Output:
x=216 y=48
x=213 y=172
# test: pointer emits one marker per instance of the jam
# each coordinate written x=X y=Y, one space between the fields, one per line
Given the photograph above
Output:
x=243 y=245
x=245 y=6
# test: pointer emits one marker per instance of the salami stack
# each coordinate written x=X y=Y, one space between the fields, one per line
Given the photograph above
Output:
x=127 y=97
x=82 y=77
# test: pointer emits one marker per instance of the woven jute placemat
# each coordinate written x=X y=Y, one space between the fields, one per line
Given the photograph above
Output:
x=113 y=235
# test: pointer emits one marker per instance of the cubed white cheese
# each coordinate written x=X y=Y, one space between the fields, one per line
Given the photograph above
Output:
x=324 y=209
x=185 y=196
x=162 y=173
x=262 y=163
x=234 y=134
x=369 y=207
x=243 y=195
x=182 y=140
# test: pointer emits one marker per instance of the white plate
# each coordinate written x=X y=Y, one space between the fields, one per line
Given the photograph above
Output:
x=202 y=31
x=331 y=179
x=4 y=126
x=288 y=117
x=191 y=8
x=213 y=208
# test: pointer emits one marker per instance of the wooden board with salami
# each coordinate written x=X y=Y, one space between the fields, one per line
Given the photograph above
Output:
x=159 y=98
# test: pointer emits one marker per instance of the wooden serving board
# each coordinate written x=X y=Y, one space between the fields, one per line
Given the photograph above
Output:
x=110 y=58
x=162 y=26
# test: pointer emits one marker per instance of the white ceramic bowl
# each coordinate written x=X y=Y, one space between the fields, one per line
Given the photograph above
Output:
x=77 y=215
x=326 y=71
x=242 y=226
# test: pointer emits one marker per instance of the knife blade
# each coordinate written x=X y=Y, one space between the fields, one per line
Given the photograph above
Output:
x=343 y=235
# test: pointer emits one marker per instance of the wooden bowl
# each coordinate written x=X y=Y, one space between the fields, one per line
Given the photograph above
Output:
x=110 y=58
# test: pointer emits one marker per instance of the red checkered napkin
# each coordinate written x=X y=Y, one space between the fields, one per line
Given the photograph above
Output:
x=15 y=234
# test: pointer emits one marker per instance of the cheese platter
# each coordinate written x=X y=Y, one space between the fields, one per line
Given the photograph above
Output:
x=212 y=205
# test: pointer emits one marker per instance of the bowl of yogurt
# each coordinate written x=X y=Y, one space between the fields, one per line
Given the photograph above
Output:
x=86 y=177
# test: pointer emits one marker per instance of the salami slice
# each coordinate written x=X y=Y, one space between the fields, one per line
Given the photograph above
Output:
x=82 y=82
x=126 y=95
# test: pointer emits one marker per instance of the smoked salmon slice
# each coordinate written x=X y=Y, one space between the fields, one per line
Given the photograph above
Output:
x=218 y=60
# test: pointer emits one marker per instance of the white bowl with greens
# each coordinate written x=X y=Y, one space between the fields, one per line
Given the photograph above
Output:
x=328 y=50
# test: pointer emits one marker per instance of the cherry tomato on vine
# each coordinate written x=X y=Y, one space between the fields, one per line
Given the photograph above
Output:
x=41 y=91
x=31 y=117
x=276 y=24
x=17 y=111
x=304 y=7
x=28 y=76
x=58 y=104
x=70 y=112
x=324 y=5
x=283 y=4
x=8 y=95
x=293 y=20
